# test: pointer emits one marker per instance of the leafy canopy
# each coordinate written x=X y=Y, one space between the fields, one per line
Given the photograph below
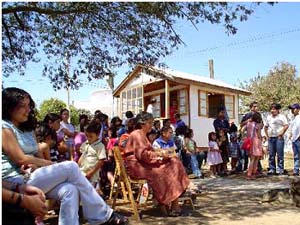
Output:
x=54 y=105
x=281 y=85
x=98 y=37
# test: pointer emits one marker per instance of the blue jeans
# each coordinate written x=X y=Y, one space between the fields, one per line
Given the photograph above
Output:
x=65 y=182
x=296 y=149
x=195 y=165
x=243 y=160
x=276 y=146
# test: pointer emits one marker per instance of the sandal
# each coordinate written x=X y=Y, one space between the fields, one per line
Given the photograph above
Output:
x=117 y=219
x=174 y=213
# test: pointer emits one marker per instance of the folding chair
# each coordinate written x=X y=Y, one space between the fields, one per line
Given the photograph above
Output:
x=123 y=181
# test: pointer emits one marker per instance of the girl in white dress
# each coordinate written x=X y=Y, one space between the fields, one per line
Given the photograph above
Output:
x=214 y=158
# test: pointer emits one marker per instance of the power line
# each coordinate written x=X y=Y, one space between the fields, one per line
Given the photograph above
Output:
x=253 y=39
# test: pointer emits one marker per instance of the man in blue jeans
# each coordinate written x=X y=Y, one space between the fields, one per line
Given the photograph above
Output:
x=275 y=127
x=295 y=135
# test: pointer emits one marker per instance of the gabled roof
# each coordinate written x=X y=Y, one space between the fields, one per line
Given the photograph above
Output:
x=177 y=76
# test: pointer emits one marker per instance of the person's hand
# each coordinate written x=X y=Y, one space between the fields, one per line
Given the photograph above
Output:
x=31 y=190
x=35 y=205
x=29 y=168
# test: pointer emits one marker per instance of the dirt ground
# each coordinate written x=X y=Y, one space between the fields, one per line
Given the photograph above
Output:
x=231 y=200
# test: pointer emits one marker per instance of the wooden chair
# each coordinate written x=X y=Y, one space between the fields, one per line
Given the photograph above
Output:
x=123 y=181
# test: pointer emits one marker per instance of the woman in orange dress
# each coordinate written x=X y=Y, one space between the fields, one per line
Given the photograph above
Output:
x=165 y=174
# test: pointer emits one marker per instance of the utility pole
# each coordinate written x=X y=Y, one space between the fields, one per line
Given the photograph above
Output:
x=68 y=83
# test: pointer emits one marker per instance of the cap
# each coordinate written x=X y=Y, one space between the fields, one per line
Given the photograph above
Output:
x=294 y=106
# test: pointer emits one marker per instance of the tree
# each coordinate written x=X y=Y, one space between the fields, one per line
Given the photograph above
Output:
x=54 y=105
x=280 y=85
x=99 y=37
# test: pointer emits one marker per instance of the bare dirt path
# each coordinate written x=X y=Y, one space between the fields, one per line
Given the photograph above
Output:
x=231 y=200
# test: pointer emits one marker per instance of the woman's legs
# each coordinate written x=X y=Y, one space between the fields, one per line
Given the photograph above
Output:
x=255 y=164
x=251 y=166
x=47 y=178
x=69 y=203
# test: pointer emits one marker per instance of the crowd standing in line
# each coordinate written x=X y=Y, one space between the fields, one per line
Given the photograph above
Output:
x=34 y=154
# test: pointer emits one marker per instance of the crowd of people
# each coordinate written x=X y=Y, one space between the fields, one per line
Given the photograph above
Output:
x=52 y=159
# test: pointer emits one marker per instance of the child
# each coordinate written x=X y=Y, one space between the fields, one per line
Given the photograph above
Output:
x=214 y=158
x=44 y=135
x=165 y=141
x=265 y=145
x=190 y=146
x=223 y=146
x=234 y=147
x=93 y=153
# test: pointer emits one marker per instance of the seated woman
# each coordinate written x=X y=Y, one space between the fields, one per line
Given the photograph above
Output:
x=61 y=181
x=165 y=175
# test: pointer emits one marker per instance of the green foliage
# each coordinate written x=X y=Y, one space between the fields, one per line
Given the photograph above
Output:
x=52 y=105
x=55 y=105
x=98 y=37
x=280 y=85
x=75 y=113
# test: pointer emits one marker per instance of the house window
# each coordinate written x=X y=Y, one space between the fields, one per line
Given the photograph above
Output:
x=202 y=110
x=182 y=99
x=132 y=100
x=229 y=105
x=209 y=103
x=156 y=106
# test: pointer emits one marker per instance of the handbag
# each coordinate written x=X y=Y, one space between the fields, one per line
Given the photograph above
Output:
x=247 y=144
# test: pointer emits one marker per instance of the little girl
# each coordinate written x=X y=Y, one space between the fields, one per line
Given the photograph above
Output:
x=214 y=158
x=165 y=141
x=44 y=135
x=223 y=146
x=190 y=147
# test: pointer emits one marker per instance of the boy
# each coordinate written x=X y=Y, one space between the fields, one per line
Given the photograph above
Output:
x=93 y=153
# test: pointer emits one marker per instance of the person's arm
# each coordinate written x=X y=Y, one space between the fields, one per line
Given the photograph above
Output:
x=95 y=169
x=266 y=132
x=26 y=196
x=285 y=126
x=11 y=148
x=44 y=150
x=69 y=133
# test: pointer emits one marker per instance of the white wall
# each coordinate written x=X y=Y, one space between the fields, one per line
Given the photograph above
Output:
x=101 y=99
x=203 y=125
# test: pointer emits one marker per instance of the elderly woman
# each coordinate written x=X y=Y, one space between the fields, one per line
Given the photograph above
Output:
x=165 y=174
x=60 y=181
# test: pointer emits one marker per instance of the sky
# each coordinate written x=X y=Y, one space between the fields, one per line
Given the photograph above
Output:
x=271 y=35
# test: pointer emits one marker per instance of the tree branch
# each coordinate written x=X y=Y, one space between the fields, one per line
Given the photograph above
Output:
x=19 y=21
x=39 y=10
x=8 y=36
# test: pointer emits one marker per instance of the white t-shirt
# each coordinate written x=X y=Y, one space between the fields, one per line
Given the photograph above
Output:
x=275 y=124
x=295 y=128
x=150 y=108
x=70 y=127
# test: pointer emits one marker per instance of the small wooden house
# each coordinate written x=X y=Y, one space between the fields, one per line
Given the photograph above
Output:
x=196 y=98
